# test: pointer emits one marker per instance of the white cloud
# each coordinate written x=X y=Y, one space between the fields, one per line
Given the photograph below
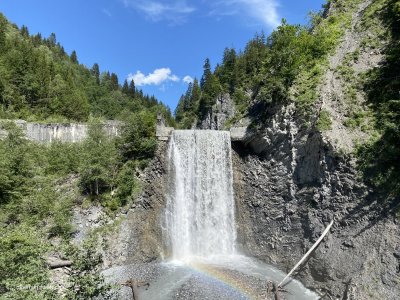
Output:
x=158 y=77
x=264 y=11
x=174 y=11
x=187 y=79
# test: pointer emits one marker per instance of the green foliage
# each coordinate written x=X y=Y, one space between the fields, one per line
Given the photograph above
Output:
x=23 y=274
x=286 y=65
x=74 y=57
x=99 y=164
x=37 y=192
x=228 y=72
x=379 y=159
x=38 y=80
x=324 y=121
x=210 y=88
x=85 y=281
x=138 y=139
x=188 y=106
x=15 y=163
x=63 y=158
x=126 y=183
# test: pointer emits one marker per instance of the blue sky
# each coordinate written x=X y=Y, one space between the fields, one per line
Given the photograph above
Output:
x=161 y=44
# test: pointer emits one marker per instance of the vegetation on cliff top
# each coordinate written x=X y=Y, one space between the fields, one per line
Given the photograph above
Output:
x=271 y=70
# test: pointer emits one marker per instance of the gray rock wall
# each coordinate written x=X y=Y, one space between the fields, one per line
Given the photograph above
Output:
x=223 y=110
x=289 y=183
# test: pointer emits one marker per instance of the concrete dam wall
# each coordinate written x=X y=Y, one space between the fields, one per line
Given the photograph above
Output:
x=63 y=132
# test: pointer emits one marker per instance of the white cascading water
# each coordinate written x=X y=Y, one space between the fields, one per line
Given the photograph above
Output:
x=200 y=229
x=200 y=219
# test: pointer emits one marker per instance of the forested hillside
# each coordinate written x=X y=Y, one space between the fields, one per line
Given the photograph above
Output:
x=41 y=185
x=287 y=67
x=40 y=81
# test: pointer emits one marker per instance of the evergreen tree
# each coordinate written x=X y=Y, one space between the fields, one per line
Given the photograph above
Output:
x=39 y=80
x=206 y=72
x=114 y=82
x=24 y=31
x=228 y=75
x=210 y=88
x=132 y=89
x=37 y=40
x=188 y=97
x=3 y=24
x=125 y=87
x=195 y=97
x=52 y=40
x=95 y=71
x=74 y=57
x=179 y=110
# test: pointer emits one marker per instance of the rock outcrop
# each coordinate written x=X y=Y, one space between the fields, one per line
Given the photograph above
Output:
x=222 y=111
x=289 y=184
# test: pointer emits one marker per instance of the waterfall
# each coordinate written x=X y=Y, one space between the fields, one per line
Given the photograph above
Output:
x=199 y=217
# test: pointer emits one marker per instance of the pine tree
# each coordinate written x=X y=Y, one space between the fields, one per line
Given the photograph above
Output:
x=37 y=39
x=210 y=88
x=227 y=72
x=95 y=71
x=188 y=97
x=114 y=82
x=74 y=57
x=125 y=87
x=132 y=89
x=53 y=40
x=195 y=98
x=24 y=31
x=206 y=72
x=179 y=110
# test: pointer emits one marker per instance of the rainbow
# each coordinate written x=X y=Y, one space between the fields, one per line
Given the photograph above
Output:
x=226 y=279
x=237 y=277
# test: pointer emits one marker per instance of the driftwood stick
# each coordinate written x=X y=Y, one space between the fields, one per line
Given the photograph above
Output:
x=308 y=253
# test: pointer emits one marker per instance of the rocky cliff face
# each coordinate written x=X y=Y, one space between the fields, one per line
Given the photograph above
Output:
x=223 y=110
x=291 y=180
x=137 y=238
x=289 y=190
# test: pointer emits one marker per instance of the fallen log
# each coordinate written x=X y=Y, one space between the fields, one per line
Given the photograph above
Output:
x=308 y=253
